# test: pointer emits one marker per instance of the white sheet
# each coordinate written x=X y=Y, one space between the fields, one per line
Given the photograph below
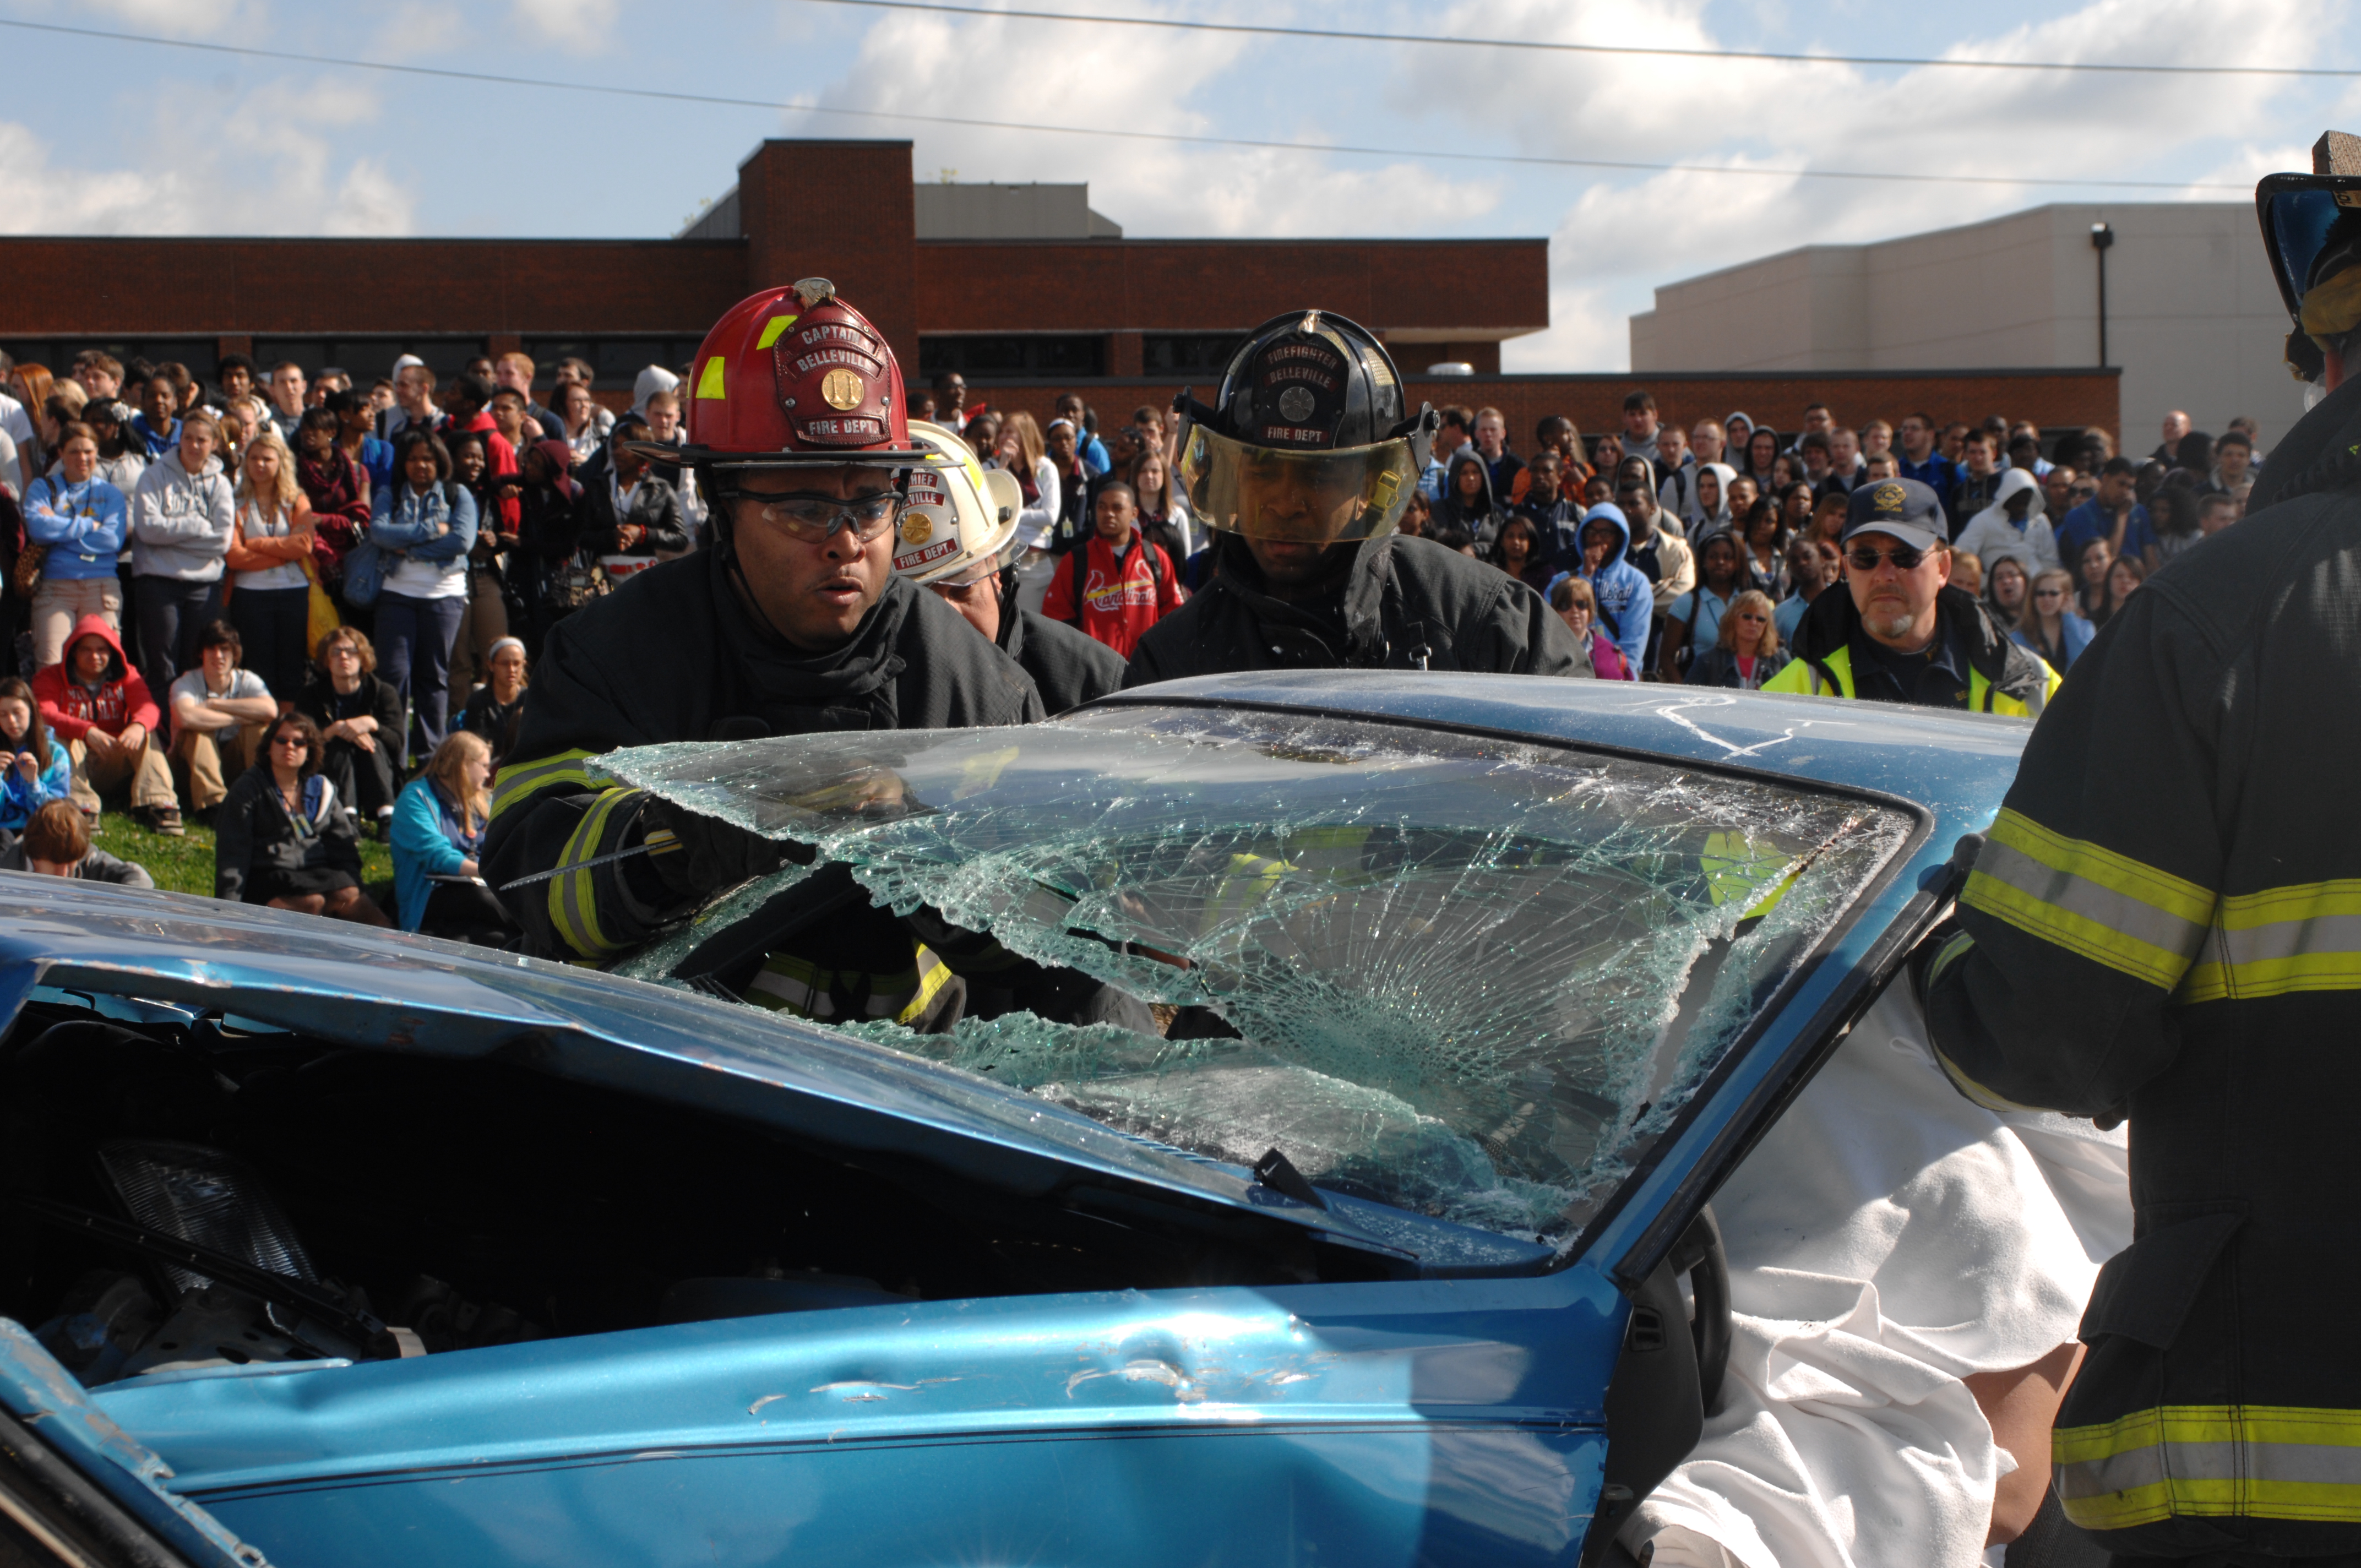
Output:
x=1886 y=1239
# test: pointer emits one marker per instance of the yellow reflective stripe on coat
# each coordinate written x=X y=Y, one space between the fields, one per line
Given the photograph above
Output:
x=804 y=989
x=2108 y=907
x=2282 y=940
x=1740 y=867
x=574 y=895
x=1804 y=678
x=2273 y=1461
x=520 y=781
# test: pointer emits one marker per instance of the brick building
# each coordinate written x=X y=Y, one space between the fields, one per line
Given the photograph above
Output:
x=1022 y=289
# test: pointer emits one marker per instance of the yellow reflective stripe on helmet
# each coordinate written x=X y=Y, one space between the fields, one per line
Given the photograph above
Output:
x=2108 y=907
x=709 y=381
x=2282 y=940
x=573 y=896
x=770 y=334
x=2243 y=1461
x=521 y=781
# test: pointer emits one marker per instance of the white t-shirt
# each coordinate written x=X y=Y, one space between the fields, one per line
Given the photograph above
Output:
x=242 y=682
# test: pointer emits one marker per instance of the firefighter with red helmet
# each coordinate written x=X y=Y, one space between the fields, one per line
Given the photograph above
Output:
x=793 y=623
x=1302 y=469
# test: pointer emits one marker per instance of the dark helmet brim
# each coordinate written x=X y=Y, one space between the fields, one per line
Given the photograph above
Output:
x=852 y=457
x=2300 y=214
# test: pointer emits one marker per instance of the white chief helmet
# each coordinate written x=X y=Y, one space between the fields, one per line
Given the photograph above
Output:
x=961 y=519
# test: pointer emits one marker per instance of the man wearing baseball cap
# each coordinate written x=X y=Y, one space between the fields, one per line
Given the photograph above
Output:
x=1901 y=632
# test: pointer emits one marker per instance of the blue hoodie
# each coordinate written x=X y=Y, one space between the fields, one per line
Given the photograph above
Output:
x=1625 y=602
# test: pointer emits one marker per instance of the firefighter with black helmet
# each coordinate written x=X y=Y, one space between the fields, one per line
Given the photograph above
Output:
x=1302 y=469
x=2164 y=925
x=793 y=623
x=959 y=539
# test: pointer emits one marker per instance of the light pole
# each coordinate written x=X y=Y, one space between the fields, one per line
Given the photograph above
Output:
x=2102 y=236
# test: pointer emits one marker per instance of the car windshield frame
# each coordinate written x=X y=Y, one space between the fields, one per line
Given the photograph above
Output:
x=1644 y=1154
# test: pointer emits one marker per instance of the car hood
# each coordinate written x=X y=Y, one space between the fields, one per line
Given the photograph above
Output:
x=142 y=953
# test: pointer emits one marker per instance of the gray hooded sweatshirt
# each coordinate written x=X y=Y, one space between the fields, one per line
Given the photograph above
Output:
x=181 y=522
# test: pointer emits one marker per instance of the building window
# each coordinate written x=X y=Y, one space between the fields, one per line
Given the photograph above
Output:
x=367 y=359
x=1187 y=352
x=615 y=362
x=198 y=354
x=1015 y=356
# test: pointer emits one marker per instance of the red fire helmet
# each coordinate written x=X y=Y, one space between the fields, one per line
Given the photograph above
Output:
x=796 y=377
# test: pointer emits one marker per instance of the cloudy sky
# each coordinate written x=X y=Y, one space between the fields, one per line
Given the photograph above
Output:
x=120 y=137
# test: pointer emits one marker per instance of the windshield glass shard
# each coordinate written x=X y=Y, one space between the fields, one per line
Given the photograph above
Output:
x=1467 y=976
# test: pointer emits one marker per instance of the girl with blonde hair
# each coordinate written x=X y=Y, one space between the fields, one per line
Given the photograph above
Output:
x=438 y=840
x=269 y=547
x=1747 y=654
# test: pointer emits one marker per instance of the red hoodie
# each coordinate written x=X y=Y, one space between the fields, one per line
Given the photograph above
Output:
x=1119 y=602
x=70 y=709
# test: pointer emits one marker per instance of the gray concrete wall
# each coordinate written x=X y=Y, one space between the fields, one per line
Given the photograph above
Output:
x=2193 y=317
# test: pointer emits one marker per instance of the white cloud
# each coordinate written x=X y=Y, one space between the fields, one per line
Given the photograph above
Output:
x=268 y=168
x=579 y=27
x=415 y=28
x=1118 y=78
x=188 y=18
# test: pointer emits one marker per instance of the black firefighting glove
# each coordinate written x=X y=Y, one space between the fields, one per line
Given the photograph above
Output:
x=707 y=855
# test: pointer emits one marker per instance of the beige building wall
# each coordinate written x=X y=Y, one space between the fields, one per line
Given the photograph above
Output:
x=2192 y=316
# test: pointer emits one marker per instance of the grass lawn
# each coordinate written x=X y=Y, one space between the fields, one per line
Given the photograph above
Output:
x=186 y=864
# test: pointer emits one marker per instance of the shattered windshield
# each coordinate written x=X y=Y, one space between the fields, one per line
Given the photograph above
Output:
x=1464 y=976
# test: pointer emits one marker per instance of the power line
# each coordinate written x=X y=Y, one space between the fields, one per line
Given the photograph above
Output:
x=1785 y=58
x=1109 y=133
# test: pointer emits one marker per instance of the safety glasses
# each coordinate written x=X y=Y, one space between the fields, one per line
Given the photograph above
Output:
x=814 y=518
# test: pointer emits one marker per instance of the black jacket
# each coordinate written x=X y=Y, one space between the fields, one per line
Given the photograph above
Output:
x=674 y=655
x=375 y=697
x=253 y=833
x=1397 y=603
x=1833 y=624
x=655 y=507
x=1069 y=667
x=2162 y=925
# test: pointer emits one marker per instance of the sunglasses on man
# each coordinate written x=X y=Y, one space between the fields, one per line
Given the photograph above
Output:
x=1865 y=559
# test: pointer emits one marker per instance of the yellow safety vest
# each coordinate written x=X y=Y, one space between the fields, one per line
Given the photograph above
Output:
x=1804 y=677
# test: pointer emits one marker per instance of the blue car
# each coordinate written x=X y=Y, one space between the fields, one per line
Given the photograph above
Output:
x=1344 y=1204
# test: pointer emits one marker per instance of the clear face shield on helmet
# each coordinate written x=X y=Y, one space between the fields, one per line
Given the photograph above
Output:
x=1332 y=497
x=2311 y=231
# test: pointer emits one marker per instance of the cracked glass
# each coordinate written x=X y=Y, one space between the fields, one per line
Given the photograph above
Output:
x=1465 y=976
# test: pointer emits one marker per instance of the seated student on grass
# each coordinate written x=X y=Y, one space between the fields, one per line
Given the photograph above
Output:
x=283 y=838
x=218 y=712
x=438 y=833
x=56 y=843
x=33 y=767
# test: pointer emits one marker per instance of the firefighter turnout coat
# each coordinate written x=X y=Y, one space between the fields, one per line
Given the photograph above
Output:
x=2164 y=924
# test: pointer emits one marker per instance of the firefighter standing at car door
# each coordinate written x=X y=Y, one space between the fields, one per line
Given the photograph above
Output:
x=2165 y=925
x=1900 y=632
x=1116 y=584
x=1302 y=470
x=794 y=623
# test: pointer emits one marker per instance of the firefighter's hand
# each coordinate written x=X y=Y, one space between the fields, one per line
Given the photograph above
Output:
x=711 y=854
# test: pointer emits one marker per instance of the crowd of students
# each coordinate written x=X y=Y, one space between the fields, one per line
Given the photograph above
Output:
x=1698 y=569
x=302 y=610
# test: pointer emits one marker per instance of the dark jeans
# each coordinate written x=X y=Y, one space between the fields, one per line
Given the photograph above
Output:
x=272 y=622
x=170 y=614
x=414 y=651
x=464 y=912
x=367 y=779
